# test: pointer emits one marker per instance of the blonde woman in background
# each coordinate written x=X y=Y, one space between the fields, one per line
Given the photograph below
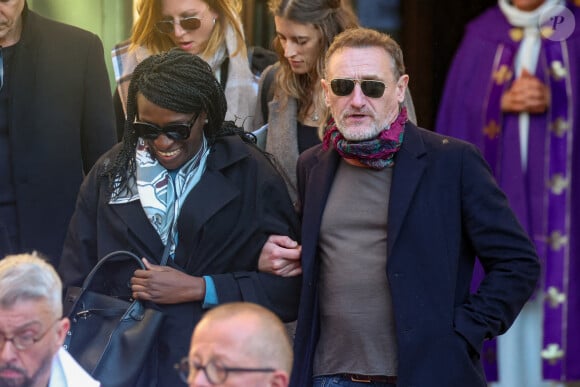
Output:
x=211 y=29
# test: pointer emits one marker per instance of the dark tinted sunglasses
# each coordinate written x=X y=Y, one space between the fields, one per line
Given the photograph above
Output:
x=187 y=23
x=343 y=87
x=176 y=132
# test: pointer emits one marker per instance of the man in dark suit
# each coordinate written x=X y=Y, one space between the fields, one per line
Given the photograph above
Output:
x=393 y=219
x=56 y=119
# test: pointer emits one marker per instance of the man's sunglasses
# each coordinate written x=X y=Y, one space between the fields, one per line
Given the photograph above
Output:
x=343 y=87
x=187 y=23
x=176 y=132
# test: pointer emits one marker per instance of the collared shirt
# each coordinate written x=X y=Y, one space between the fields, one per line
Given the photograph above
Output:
x=66 y=372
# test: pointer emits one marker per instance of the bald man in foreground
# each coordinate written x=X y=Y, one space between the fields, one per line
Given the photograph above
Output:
x=239 y=344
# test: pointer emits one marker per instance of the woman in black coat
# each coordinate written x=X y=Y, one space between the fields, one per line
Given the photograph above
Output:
x=187 y=184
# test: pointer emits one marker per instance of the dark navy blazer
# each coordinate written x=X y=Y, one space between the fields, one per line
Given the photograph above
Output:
x=444 y=210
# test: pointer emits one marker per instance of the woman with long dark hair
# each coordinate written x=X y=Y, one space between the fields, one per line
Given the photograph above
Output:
x=187 y=185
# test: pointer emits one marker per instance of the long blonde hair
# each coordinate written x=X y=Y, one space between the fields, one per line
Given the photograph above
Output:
x=330 y=17
x=146 y=35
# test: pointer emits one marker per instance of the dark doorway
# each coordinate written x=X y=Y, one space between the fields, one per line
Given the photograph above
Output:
x=430 y=33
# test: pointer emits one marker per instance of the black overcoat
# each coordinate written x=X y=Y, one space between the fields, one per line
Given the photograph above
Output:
x=239 y=201
x=61 y=121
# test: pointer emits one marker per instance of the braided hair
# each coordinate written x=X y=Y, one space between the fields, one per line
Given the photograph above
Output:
x=177 y=81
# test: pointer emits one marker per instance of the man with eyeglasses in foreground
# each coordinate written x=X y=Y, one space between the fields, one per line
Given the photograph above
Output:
x=32 y=329
x=239 y=344
x=393 y=217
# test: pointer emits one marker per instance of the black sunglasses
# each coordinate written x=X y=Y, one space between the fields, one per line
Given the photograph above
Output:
x=343 y=87
x=176 y=132
x=187 y=23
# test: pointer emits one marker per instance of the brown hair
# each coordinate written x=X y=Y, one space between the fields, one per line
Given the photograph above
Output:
x=331 y=17
x=366 y=37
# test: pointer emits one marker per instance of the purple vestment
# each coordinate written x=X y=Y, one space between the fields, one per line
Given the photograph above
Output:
x=545 y=196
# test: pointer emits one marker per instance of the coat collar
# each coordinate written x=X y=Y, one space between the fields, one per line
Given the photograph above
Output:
x=214 y=190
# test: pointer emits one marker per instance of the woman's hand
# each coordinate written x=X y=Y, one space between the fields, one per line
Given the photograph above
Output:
x=280 y=256
x=165 y=285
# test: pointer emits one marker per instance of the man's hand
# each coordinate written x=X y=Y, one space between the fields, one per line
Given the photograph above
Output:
x=165 y=285
x=527 y=94
x=280 y=256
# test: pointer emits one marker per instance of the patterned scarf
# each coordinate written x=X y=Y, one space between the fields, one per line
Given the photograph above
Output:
x=162 y=195
x=377 y=153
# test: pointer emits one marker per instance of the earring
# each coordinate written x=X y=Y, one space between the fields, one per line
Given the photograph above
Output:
x=214 y=20
x=206 y=121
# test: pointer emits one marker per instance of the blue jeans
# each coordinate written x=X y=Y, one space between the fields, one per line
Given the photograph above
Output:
x=339 y=381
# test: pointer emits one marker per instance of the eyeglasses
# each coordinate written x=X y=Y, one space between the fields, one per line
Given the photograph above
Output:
x=176 y=132
x=187 y=23
x=343 y=87
x=24 y=341
x=215 y=372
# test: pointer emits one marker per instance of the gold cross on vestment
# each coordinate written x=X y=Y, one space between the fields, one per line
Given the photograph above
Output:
x=502 y=75
x=492 y=130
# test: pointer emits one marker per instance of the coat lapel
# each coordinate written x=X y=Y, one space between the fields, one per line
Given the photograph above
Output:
x=409 y=167
x=205 y=192
x=214 y=191
x=317 y=191
x=139 y=228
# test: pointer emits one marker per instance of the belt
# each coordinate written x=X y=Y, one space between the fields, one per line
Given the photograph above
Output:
x=370 y=378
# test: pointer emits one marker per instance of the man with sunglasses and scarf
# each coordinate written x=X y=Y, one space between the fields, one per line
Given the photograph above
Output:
x=393 y=217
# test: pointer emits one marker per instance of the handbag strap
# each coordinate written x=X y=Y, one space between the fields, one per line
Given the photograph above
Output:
x=87 y=282
x=118 y=253
x=107 y=258
x=165 y=256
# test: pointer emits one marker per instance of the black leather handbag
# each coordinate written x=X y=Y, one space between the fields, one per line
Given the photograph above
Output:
x=112 y=338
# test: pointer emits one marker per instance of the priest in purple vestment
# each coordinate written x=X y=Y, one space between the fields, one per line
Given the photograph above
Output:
x=513 y=90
